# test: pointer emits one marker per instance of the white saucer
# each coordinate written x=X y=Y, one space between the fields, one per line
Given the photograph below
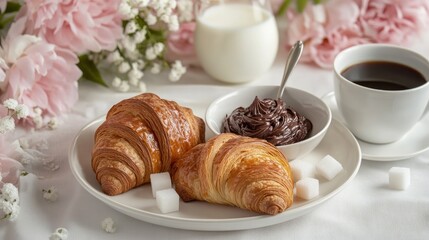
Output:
x=412 y=144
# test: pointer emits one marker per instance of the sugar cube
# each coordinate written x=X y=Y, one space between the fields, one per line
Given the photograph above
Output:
x=301 y=169
x=399 y=178
x=307 y=188
x=328 y=167
x=159 y=181
x=167 y=200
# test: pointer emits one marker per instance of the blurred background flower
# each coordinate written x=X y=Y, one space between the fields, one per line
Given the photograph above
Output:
x=331 y=26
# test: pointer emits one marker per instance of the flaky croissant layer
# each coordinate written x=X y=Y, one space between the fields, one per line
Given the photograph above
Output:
x=229 y=169
x=140 y=136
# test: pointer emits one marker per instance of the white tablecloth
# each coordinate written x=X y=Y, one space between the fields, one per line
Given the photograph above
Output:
x=365 y=209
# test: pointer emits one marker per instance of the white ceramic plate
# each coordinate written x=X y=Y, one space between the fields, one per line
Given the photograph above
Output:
x=140 y=204
x=412 y=144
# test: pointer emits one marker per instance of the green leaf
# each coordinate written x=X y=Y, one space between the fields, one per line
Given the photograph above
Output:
x=317 y=1
x=90 y=71
x=301 y=4
x=12 y=7
x=283 y=7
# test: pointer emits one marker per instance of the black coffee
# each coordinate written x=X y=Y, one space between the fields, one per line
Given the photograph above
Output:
x=384 y=75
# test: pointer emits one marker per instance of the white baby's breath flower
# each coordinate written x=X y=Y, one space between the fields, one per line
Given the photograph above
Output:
x=139 y=36
x=131 y=27
x=116 y=82
x=124 y=87
x=53 y=123
x=185 y=8
x=114 y=57
x=172 y=4
x=132 y=55
x=10 y=103
x=50 y=194
x=135 y=74
x=37 y=111
x=165 y=18
x=38 y=121
x=173 y=24
x=108 y=225
x=140 y=64
x=140 y=4
x=142 y=87
x=124 y=9
x=150 y=19
x=150 y=53
x=22 y=111
x=9 y=202
x=7 y=124
x=158 y=48
x=156 y=68
x=9 y=192
x=124 y=67
x=59 y=234
x=127 y=42
x=177 y=70
x=134 y=81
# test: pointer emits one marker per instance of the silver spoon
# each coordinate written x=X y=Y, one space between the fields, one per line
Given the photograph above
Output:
x=293 y=57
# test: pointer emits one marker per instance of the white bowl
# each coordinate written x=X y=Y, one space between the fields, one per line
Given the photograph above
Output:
x=312 y=107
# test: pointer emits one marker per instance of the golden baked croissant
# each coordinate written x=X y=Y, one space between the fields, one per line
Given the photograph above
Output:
x=241 y=171
x=140 y=136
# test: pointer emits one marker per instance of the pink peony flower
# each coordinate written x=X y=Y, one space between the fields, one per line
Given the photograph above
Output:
x=37 y=73
x=326 y=30
x=78 y=25
x=393 y=21
x=180 y=44
x=10 y=169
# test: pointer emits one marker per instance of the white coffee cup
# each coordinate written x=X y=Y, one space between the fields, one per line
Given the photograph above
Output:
x=380 y=116
x=236 y=41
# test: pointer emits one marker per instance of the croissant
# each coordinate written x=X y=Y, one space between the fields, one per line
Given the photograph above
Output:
x=140 y=136
x=235 y=170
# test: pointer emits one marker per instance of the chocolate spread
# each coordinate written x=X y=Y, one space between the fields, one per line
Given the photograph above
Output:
x=268 y=119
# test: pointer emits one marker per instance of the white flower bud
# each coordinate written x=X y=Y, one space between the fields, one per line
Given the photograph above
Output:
x=150 y=53
x=53 y=123
x=114 y=57
x=128 y=43
x=150 y=19
x=37 y=111
x=59 y=234
x=142 y=87
x=50 y=194
x=140 y=64
x=116 y=82
x=124 y=67
x=10 y=103
x=124 y=87
x=156 y=68
x=135 y=74
x=173 y=23
x=177 y=70
x=158 y=48
x=131 y=27
x=140 y=36
x=124 y=9
x=22 y=111
x=108 y=225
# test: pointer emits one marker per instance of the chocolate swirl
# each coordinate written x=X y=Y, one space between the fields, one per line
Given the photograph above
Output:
x=268 y=119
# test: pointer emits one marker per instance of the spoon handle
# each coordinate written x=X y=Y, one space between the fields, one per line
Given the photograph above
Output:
x=293 y=57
